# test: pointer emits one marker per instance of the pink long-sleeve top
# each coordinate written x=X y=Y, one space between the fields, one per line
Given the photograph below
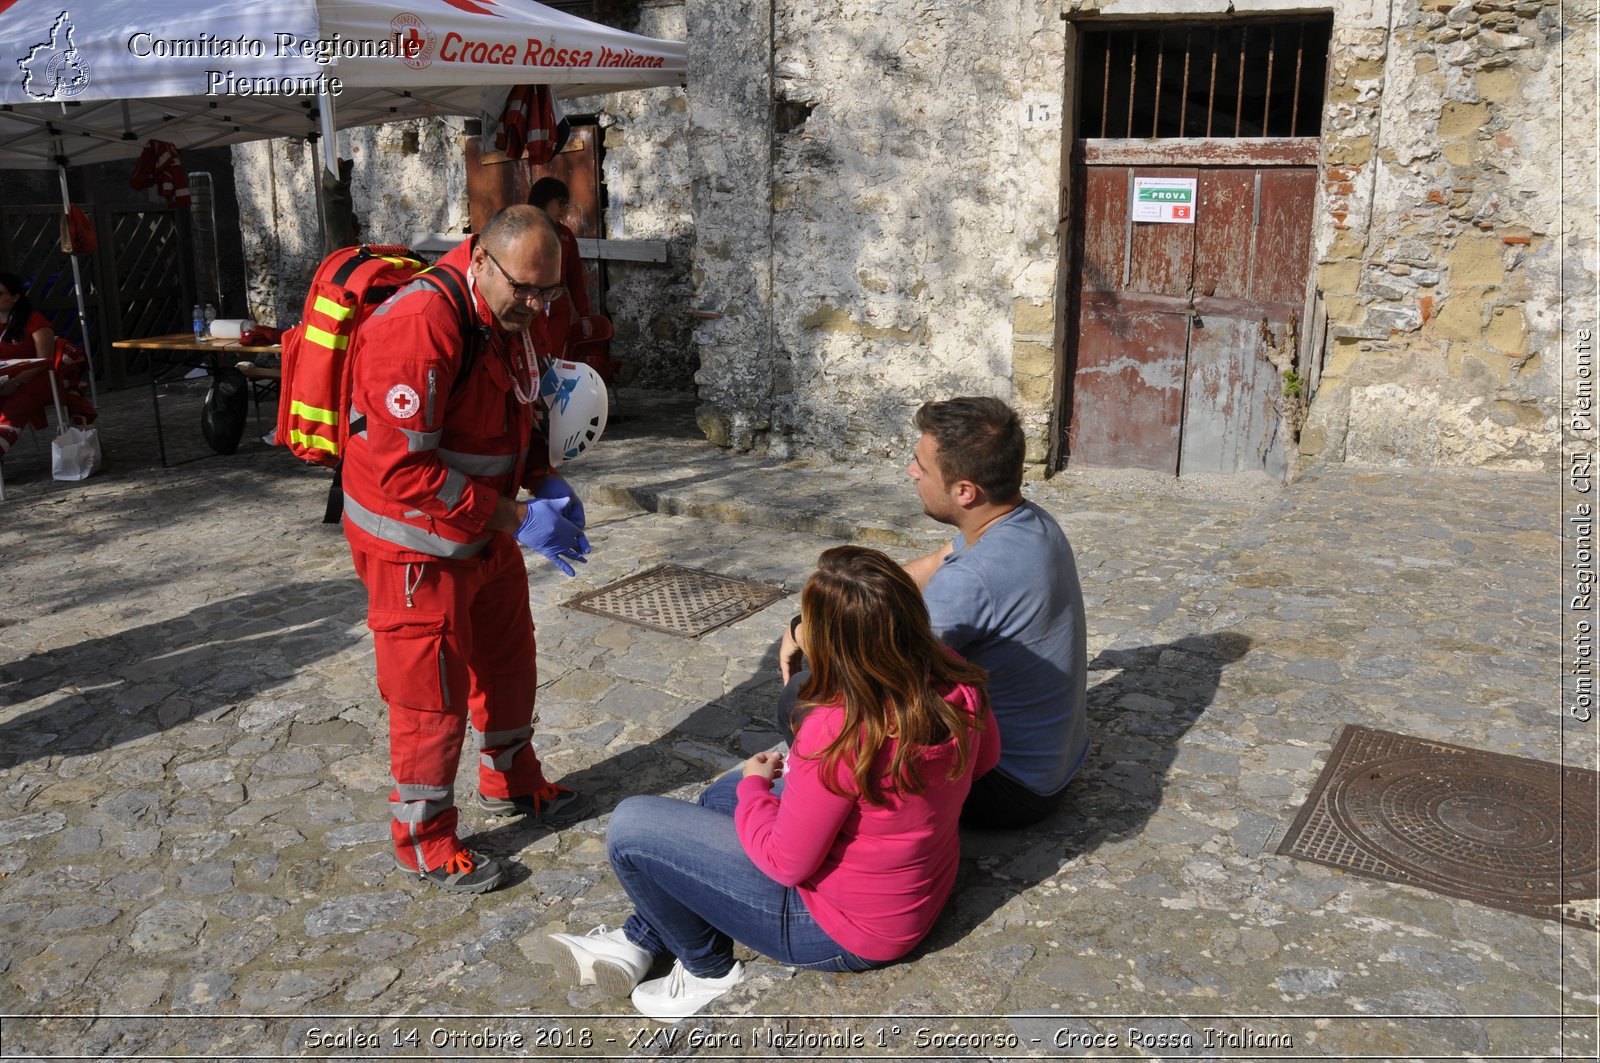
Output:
x=874 y=877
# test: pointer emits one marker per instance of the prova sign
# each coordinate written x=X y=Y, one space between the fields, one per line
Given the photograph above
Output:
x=1164 y=199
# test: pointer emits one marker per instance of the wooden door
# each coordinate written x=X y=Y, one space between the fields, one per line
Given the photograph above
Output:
x=1165 y=336
x=1167 y=322
x=1252 y=256
x=493 y=181
x=1132 y=331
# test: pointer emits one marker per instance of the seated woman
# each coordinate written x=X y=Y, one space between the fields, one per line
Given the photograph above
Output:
x=845 y=864
x=28 y=350
x=27 y=343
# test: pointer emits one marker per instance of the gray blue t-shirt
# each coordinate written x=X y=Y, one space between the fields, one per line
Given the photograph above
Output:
x=1012 y=603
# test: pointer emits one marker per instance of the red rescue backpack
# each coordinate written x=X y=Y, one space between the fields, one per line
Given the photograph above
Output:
x=314 y=396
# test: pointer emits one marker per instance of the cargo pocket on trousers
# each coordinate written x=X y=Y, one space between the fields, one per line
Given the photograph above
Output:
x=409 y=645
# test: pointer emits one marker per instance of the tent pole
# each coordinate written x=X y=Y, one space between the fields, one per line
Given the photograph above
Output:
x=330 y=144
x=77 y=287
x=333 y=193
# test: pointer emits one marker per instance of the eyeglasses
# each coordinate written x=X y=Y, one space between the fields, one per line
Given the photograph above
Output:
x=527 y=291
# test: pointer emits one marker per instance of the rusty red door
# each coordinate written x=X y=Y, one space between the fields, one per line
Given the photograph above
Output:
x=493 y=181
x=1165 y=336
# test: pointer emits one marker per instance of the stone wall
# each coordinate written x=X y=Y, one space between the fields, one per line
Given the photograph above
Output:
x=909 y=249
x=408 y=178
x=859 y=217
x=648 y=197
x=895 y=239
x=1441 y=255
x=730 y=148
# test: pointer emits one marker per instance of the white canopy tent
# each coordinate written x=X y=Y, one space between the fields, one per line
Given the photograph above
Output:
x=98 y=80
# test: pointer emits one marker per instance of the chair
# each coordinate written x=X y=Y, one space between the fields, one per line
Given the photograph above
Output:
x=264 y=383
x=595 y=351
x=40 y=421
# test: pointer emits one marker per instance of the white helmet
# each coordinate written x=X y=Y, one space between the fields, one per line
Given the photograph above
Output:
x=575 y=396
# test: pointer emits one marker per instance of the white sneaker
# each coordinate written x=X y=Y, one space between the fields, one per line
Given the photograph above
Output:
x=681 y=993
x=602 y=957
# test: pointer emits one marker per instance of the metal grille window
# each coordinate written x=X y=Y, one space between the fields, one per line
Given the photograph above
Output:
x=1233 y=79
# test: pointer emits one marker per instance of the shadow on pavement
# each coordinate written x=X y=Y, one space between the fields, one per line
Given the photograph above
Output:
x=693 y=753
x=1136 y=720
x=117 y=687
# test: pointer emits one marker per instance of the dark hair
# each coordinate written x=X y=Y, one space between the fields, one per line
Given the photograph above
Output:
x=872 y=651
x=21 y=311
x=546 y=189
x=980 y=439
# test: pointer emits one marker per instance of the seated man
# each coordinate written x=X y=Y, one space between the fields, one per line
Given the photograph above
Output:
x=1005 y=595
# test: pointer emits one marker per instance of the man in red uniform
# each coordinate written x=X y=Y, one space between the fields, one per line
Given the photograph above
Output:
x=452 y=429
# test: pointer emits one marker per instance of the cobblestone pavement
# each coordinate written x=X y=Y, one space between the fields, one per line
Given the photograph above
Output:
x=195 y=861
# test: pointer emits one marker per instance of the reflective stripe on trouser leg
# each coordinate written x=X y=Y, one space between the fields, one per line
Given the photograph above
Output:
x=498 y=751
x=504 y=676
x=413 y=807
x=419 y=647
x=424 y=754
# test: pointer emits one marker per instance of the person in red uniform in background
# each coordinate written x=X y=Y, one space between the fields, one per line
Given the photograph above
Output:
x=568 y=318
x=452 y=429
x=25 y=337
x=27 y=348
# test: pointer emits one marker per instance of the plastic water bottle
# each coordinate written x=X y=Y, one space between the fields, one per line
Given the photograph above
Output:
x=199 y=322
x=211 y=315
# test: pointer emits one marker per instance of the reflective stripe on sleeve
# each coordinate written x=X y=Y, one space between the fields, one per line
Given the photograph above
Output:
x=455 y=485
x=416 y=442
x=478 y=464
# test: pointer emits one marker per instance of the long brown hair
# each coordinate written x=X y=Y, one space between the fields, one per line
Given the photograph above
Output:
x=871 y=650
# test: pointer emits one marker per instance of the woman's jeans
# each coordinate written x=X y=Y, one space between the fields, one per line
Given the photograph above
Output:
x=695 y=891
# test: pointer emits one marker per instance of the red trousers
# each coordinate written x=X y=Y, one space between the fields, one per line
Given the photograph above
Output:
x=27 y=404
x=453 y=640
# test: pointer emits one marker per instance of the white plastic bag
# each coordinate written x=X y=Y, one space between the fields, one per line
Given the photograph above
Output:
x=75 y=453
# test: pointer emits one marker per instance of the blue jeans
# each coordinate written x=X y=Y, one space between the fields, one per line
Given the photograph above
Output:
x=695 y=891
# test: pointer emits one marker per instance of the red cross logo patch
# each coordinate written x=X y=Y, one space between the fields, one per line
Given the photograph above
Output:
x=402 y=401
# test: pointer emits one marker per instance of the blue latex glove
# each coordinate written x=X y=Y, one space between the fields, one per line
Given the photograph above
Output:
x=554 y=487
x=546 y=531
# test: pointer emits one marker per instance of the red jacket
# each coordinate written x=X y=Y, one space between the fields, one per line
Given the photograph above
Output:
x=874 y=877
x=422 y=479
x=572 y=272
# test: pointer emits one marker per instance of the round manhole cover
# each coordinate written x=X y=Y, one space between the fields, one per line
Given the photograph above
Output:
x=1483 y=824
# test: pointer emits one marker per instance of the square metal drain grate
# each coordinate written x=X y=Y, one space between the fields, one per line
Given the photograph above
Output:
x=678 y=600
x=1508 y=832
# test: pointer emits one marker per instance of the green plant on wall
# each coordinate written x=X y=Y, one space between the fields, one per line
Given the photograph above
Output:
x=1281 y=351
